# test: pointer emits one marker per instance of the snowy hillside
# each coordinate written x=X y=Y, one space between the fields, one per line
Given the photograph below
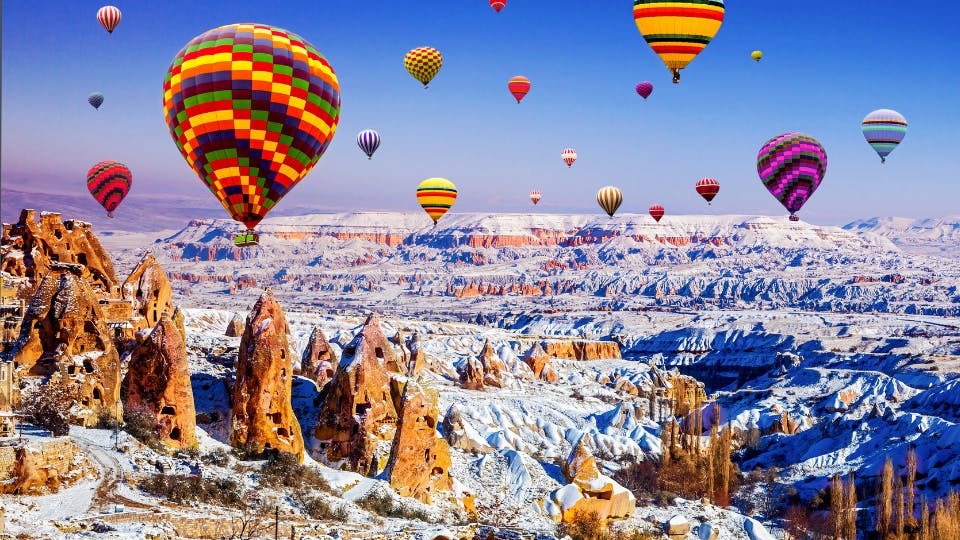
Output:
x=934 y=236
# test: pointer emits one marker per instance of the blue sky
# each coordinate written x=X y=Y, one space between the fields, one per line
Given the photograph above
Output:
x=826 y=65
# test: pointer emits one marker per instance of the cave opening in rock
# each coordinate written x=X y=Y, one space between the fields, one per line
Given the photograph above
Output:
x=175 y=434
x=167 y=409
x=88 y=366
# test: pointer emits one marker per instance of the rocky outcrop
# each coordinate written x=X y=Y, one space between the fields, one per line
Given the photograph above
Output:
x=158 y=385
x=677 y=526
x=419 y=464
x=41 y=468
x=358 y=417
x=235 y=326
x=494 y=371
x=470 y=373
x=261 y=401
x=589 y=490
x=578 y=349
x=148 y=289
x=418 y=357
x=539 y=362
x=29 y=249
x=319 y=360
x=461 y=435
x=784 y=424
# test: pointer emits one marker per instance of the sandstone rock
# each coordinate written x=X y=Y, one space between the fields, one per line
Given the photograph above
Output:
x=785 y=424
x=262 y=412
x=494 y=372
x=42 y=468
x=677 y=526
x=418 y=357
x=471 y=374
x=158 y=385
x=539 y=362
x=235 y=326
x=581 y=349
x=461 y=434
x=319 y=359
x=359 y=411
x=419 y=463
x=589 y=490
x=149 y=290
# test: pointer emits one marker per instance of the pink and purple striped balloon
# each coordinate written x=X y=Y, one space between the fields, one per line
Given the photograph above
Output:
x=792 y=166
x=645 y=88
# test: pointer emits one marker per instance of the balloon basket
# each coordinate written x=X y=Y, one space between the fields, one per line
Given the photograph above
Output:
x=794 y=218
x=110 y=215
x=249 y=238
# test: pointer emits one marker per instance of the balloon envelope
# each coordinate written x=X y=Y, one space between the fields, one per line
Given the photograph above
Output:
x=109 y=182
x=569 y=155
x=756 y=55
x=609 y=198
x=369 y=141
x=656 y=212
x=678 y=30
x=95 y=99
x=518 y=86
x=251 y=108
x=535 y=196
x=708 y=188
x=109 y=17
x=423 y=63
x=436 y=196
x=791 y=167
x=497 y=5
x=645 y=88
x=884 y=129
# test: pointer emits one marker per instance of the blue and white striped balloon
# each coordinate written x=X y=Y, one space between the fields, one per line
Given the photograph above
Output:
x=369 y=141
x=884 y=129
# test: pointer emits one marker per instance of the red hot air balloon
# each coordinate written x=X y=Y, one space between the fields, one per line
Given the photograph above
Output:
x=569 y=155
x=497 y=5
x=656 y=212
x=518 y=86
x=708 y=188
x=535 y=196
x=109 y=17
x=645 y=88
x=109 y=182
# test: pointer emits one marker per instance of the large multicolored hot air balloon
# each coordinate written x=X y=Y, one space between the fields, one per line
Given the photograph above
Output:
x=109 y=182
x=645 y=88
x=423 y=63
x=757 y=55
x=677 y=30
x=569 y=155
x=518 y=86
x=708 y=188
x=535 y=196
x=497 y=5
x=609 y=198
x=109 y=17
x=884 y=129
x=656 y=212
x=252 y=108
x=369 y=141
x=436 y=196
x=95 y=99
x=792 y=166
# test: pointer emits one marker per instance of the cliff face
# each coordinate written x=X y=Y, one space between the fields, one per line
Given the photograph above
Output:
x=581 y=349
x=263 y=415
x=419 y=464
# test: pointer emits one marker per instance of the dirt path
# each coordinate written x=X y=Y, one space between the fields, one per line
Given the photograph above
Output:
x=111 y=475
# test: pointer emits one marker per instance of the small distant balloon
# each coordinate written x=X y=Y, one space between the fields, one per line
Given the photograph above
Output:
x=423 y=63
x=518 y=86
x=497 y=5
x=535 y=196
x=756 y=55
x=95 y=99
x=884 y=129
x=609 y=198
x=569 y=155
x=436 y=196
x=369 y=141
x=791 y=167
x=656 y=212
x=109 y=182
x=645 y=88
x=109 y=17
x=708 y=188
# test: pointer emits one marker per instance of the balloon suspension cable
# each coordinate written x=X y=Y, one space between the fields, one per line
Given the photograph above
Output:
x=676 y=76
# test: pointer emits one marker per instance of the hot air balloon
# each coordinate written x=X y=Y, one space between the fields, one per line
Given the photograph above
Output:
x=369 y=141
x=677 y=30
x=95 y=99
x=656 y=212
x=884 y=129
x=756 y=55
x=252 y=108
x=497 y=5
x=609 y=198
x=436 y=196
x=535 y=196
x=518 y=86
x=109 y=182
x=423 y=63
x=708 y=188
x=792 y=166
x=109 y=17
x=569 y=155
x=645 y=88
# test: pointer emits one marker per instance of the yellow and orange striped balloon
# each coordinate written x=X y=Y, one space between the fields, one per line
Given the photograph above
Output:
x=678 y=30
x=436 y=196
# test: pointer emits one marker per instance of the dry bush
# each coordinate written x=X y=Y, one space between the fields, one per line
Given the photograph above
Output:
x=585 y=525
x=143 y=427
x=383 y=504
x=48 y=406
x=184 y=489
x=284 y=470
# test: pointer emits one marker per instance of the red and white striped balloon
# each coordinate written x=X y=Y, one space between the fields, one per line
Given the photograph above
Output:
x=569 y=155
x=535 y=196
x=708 y=188
x=109 y=17
x=656 y=212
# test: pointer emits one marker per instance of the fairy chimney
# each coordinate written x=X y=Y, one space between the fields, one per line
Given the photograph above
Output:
x=419 y=464
x=319 y=360
x=235 y=326
x=539 y=362
x=148 y=288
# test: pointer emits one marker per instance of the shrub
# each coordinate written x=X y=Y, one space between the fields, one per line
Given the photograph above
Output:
x=184 y=488
x=320 y=508
x=585 y=525
x=218 y=457
x=143 y=428
x=383 y=504
x=284 y=470
x=639 y=477
x=48 y=406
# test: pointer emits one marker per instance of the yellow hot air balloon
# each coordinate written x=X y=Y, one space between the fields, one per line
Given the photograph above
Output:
x=756 y=55
x=423 y=63
x=609 y=198
x=677 y=30
x=436 y=196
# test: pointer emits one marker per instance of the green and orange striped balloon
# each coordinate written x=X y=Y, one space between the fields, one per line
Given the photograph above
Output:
x=436 y=196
